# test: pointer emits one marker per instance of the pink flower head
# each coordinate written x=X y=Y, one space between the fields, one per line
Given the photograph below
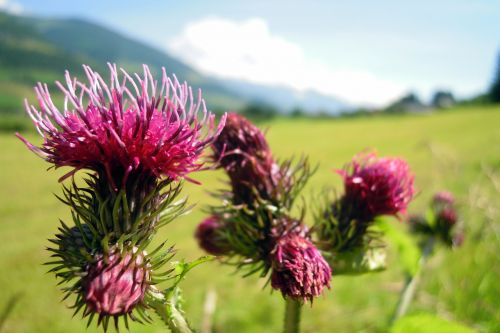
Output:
x=128 y=124
x=115 y=285
x=447 y=217
x=443 y=198
x=376 y=186
x=209 y=237
x=299 y=269
x=244 y=153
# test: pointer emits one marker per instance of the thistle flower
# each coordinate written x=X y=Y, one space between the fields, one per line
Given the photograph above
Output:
x=376 y=186
x=108 y=281
x=114 y=285
x=210 y=239
x=299 y=270
x=440 y=221
x=443 y=198
x=373 y=187
x=256 y=214
x=244 y=153
x=137 y=141
x=128 y=124
x=447 y=217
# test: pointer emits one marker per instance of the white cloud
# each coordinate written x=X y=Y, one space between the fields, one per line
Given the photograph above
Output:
x=248 y=50
x=11 y=7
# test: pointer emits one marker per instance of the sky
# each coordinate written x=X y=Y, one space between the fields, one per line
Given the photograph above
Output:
x=362 y=52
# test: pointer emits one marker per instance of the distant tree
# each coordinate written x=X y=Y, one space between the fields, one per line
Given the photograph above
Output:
x=297 y=112
x=259 y=111
x=407 y=103
x=495 y=87
x=443 y=99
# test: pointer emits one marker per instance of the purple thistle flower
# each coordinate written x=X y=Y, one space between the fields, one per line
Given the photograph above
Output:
x=447 y=217
x=115 y=285
x=443 y=198
x=128 y=124
x=376 y=186
x=444 y=222
x=209 y=237
x=299 y=269
x=244 y=153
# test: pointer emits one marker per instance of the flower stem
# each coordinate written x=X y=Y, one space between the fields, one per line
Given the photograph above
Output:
x=292 y=316
x=167 y=310
x=412 y=283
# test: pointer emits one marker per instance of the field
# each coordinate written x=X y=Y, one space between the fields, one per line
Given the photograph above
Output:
x=457 y=149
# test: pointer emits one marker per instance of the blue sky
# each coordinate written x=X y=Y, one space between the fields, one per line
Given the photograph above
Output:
x=366 y=52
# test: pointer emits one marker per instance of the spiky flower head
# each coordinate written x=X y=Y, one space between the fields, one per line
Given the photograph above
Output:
x=109 y=282
x=447 y=217
x=443 y=198
x=299 y=270
x=137 y=138
x=209 y=234
x=254 y=224
x=373 y=186
x=376 y=186
x=116 y=283
x=441 y=220
x=125 y=125
x=244 y=153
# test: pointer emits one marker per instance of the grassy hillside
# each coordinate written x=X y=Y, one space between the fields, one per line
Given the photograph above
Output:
x=35 y=49
x=457 y=150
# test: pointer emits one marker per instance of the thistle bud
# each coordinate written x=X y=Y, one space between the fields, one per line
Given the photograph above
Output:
x=209 y=236
x=443 y=198
x=447 y=217
x=115 y=283
x=243 y=152
x=299 y=269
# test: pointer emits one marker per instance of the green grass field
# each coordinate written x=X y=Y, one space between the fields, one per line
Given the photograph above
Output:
x=457 y=150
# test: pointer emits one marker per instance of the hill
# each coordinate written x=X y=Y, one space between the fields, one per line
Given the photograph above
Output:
x=40 y=49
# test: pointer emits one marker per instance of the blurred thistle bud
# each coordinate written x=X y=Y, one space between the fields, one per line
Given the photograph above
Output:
x=376 y=186
x=440 y=221
x=447 y=217
x=299 y=270
x=244 y=153
x=443 y=198
x=116 y=283
x=210 y=237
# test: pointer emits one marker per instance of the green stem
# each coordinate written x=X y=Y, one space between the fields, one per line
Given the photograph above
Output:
x=167 y=310
x=292 y=316
x=412 y=283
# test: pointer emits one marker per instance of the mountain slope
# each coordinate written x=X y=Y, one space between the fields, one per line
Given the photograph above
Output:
x=286 y=99
x=104 y=45
x=38 y=49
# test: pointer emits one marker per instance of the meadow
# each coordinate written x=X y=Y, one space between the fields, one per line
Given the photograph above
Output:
x=457 y=150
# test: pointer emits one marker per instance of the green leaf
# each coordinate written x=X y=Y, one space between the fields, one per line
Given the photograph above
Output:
x=408 y=251
x=428 y=323
x=168 y=304
x=182 y=268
